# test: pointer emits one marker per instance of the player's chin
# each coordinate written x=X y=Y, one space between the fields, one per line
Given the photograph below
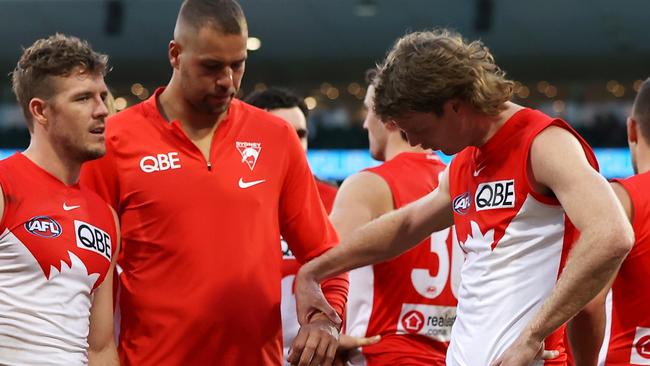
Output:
x=95 y=152
x=217 y=109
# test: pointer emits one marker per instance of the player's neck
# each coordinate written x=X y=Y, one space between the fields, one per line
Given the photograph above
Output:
x=643 y=157
x=488 y=125
x=173 y=107
x=396 y=145
x=54 y=162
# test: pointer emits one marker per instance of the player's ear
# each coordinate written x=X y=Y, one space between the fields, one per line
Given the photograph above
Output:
x=391 y=126
x=632 y=131
x=37 y=107
x=173 y=52
x=452 y=106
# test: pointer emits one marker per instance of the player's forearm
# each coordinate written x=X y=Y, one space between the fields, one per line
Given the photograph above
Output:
x=104 y=356
x=594 y=260
x=377 y=241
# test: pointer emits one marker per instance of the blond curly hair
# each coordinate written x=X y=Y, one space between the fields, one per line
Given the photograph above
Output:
x=425 y=69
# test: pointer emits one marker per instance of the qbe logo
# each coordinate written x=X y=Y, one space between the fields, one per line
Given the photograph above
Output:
x=493 y=195
x=641 y=347
x=92 y=238
x=160 y=162
x=413 y=321
x=461 y=203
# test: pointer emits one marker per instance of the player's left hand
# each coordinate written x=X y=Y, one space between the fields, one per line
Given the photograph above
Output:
x=310 y=299
x=316 y=343
x=523 y=352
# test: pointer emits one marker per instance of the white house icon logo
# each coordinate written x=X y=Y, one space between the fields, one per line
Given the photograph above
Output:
x=413 y=321
x=641 y=349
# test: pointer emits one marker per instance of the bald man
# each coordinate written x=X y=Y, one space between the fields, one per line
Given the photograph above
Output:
x=204 y=186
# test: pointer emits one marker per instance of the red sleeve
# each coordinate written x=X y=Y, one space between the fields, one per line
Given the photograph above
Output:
x=304 y=223
x=100 y=176
x=327 y=194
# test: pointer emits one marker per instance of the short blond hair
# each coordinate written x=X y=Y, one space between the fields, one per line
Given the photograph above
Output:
x=425 y=69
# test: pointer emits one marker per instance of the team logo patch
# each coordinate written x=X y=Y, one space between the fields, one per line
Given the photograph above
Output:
x=250 y=152
x=493 y=195
x=43 y=226
x=92 y=238
x=413 y=321
x=641 y=348
x=461 y=203
x=432 y=321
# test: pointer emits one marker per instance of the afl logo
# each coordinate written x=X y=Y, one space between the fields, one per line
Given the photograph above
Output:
x=43 y=226
x=461 y=203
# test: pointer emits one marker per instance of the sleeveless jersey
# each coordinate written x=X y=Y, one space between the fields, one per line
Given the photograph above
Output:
x=56 y=245
x=408 y=300
x=629 y=339
x=515 y=240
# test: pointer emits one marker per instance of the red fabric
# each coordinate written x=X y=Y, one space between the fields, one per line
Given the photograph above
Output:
x=327 y=193
x=409 y=176
x=630 y=331
x=201 y=280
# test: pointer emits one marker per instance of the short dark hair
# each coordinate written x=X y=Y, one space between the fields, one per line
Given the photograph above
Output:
x=276 y=98
x=641 y=108
x=224 y=15
x=57 y=55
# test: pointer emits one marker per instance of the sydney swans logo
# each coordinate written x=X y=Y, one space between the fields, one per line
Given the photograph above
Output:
x=250 y=152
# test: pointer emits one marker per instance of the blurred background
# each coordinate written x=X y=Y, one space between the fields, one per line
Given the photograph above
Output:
x=576 y=59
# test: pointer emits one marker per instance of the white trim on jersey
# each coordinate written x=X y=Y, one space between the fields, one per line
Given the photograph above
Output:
x=360 y=302
x=602 y=355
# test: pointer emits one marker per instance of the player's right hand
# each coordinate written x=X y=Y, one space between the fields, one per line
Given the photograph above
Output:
x=316 y=343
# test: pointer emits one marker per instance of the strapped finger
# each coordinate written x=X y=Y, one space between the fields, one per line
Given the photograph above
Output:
x=550 y=354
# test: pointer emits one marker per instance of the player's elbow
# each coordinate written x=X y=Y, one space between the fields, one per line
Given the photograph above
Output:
x=620 y=240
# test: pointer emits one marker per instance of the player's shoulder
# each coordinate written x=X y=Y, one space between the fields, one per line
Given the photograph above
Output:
x=133 y=125
x=408 y=163
x=631 y=187
x=126 y=119
x=12 y=165
x=637 y=178
x=366 y=180
x=7 y=162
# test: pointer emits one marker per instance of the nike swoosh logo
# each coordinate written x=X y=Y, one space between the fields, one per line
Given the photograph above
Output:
x=243 y=184
x=478 y=171
x=68 y=208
